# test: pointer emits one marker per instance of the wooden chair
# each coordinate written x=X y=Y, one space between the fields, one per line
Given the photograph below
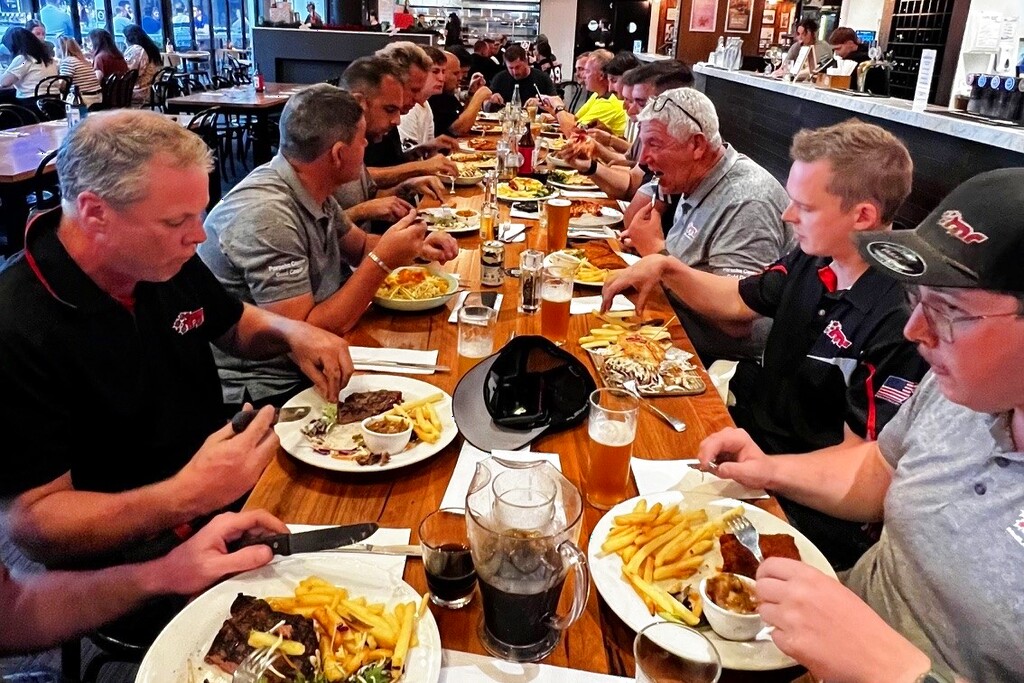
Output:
x=15 y=115
x=58 y=86
x=117 y=90
x=45 y=187
x=51 y=108
x=166 y=84
x=209 y=124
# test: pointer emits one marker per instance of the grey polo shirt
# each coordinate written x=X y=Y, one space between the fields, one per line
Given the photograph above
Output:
x=731 y=225
x=266 y=241
x=356 y=191
x=947 y=571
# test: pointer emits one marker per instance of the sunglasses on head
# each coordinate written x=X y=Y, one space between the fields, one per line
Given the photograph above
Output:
x=661 y=101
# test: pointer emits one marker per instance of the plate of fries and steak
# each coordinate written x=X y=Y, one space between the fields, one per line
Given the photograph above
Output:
x=586 y=214
x=570 y=180
x=340 y=615
x=648 y=554
x=329 y=436
x=594 y=261
x=644 y=354
x=524 y=189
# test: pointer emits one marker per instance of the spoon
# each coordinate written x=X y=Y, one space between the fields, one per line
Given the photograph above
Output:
x=673 y=422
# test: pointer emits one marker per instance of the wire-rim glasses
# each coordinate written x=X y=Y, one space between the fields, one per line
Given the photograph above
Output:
x=939 y=321
x=661 y=101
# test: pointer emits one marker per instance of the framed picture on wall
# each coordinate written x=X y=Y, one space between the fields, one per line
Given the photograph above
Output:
x=784 y=22
x=769 y=16
x=738 y=16
x=704 y=16
x=767 y=36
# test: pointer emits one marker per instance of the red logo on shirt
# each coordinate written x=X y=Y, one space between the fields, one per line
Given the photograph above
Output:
x=188 y=320
x=835 y=334
x=955 y=225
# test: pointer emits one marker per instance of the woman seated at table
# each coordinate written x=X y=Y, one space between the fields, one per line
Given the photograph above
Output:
x=31 y=63
x=144 y=56
x=73 y=63
x=106 y=58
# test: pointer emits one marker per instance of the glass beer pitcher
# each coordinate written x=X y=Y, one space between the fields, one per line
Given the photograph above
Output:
x=524 y=521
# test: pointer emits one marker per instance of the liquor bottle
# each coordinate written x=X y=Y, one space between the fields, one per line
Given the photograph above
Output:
x=526 y=148
x=75 y=109
x=258 y=80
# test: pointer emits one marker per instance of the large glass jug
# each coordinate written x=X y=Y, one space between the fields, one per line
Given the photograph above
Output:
x=524 y=521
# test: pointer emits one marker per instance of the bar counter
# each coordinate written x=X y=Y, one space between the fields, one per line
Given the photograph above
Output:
x=760 y=116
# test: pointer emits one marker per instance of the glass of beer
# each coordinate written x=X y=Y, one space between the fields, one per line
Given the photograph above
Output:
x=558 y=223
x=666 y=651
x=612 y=428
x=476 y=335
x=488 y=218
x=555 y=297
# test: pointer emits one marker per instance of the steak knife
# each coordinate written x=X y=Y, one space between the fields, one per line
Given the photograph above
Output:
x=310 y=541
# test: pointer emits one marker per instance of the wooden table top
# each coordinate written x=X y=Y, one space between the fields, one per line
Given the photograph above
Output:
x=299 y=493
x=20 y=156
x=242 y=98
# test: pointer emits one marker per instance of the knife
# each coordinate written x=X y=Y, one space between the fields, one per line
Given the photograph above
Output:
x=369 y=548
x=310 y=541
x=400 y=364
x=243 y=418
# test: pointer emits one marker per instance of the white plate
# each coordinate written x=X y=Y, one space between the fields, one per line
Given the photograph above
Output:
x=560 y=163
x=589 y=187
x=296 y=444
x=609 y=216
x=470 y=224
x=184 y=642
x=760 y=655
x=506 y=198
x=420 y=304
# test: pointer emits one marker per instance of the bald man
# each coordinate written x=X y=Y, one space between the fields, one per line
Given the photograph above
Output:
x=450 y=115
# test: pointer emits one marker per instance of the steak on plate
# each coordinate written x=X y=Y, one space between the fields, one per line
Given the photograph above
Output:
x=738 y=560
x=231 y=645
x=363 y=404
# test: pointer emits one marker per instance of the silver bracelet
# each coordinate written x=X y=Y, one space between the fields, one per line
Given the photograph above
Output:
x=380 y=262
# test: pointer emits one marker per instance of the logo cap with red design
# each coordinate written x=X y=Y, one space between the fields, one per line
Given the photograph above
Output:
x=973 y=239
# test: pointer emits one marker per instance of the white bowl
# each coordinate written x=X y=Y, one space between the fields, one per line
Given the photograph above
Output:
x=421 y=304
x=730 y=625
x=386 y=443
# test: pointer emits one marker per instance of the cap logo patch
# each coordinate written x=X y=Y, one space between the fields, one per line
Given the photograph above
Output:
x=955 y=225
x=897 y=258
x=835 y=334
x=188 y=321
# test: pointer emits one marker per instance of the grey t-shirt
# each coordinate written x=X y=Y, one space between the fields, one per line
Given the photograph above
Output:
x=267 y=241
x=947 y=571
x=356 y=191
x=730 y=225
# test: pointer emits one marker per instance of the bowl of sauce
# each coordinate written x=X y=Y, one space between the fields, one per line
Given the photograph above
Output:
x=730 y=604
x=386 y=433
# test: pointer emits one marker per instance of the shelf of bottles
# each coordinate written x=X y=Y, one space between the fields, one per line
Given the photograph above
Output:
x=917 y=25
x=519 y=20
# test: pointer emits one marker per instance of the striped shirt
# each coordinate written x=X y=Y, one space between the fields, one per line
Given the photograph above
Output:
x=82 y=75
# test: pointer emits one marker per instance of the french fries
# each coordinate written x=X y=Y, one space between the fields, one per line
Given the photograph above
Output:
x=609 y=333
x=661 y=547
x=425 y=421
x=589 y=273
x=352 y=632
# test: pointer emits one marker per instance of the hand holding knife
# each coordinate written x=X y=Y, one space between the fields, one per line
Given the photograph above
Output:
x=310 y=541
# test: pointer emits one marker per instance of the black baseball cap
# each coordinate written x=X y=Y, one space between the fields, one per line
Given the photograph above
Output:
x=528 y=388
x=974 y=239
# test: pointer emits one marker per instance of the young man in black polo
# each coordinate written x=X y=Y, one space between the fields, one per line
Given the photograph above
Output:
x=836 y=366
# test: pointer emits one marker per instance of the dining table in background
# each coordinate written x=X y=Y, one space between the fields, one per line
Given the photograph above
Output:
x=22 y=150
x=243 y=101
x=302 y=494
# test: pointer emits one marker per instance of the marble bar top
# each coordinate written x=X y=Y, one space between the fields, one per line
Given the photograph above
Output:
x=890 y=109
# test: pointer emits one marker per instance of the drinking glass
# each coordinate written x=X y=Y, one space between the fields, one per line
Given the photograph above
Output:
x=667 y=651
x=612 y=428
x=476 y=335
x=542 y=216
x=556 y=296
x=558 y=223
x=447 y=564
x=488 y=218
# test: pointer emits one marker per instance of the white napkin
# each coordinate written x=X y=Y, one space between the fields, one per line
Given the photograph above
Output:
x=394 y=565
x=363 y=357
x=654 y=476
x=623 y=205
x=512 y=229
x=591 y=232
x=583 y=194
x=465 y=468
x=461 y=299
x=592 y=304
x=462 y=667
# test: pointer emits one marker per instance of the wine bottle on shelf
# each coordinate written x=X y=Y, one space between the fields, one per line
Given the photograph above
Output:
x=258 y=80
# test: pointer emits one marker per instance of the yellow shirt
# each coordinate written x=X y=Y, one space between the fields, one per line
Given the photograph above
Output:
x=608 y=110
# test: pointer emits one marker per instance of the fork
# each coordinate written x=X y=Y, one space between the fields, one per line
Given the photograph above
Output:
x=747 y=535
x=673 y=422
x=255 y=664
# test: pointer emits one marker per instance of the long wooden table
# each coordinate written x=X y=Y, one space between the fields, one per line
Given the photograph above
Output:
x=299 y=493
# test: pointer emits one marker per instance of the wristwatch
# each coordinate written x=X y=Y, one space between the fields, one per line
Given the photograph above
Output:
x=559 y=109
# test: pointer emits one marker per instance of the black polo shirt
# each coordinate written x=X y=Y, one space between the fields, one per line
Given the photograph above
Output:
x=387 y=152
x=446 y=109
x=504 y=84
x=119 y=397
x=833 y=358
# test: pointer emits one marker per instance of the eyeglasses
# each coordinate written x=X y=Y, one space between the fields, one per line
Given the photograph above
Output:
x=661 y=101
x=940 y=322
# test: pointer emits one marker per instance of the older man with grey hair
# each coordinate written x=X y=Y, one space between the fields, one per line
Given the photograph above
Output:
x=108 y=319
x=728 y=220
x=280 y=240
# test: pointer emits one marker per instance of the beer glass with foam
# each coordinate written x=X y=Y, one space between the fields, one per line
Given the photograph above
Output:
x=556 y=296
x=558 y=223
x=612 y=428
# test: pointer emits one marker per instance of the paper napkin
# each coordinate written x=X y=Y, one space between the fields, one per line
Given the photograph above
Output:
x=462 y=667
x=592 y=304
x=465 y=468
x=655 y=476
x=454 y=317
x=394 y=565
x=363 y=357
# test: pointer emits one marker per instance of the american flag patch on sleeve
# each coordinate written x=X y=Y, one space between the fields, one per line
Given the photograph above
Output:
x=896 y=390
